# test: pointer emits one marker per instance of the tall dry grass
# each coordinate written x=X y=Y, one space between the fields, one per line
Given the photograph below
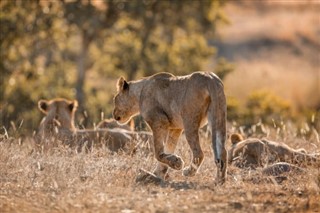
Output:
x=62 y=180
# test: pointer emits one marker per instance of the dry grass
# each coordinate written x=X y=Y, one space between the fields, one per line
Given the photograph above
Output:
x=63 y=181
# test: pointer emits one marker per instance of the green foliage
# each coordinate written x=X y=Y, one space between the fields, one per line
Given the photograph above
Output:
x=76 y=49
x=266 y=105
x=263 y=106
x=233 y=109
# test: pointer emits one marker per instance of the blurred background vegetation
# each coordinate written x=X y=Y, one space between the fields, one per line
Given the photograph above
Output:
x=76 y=49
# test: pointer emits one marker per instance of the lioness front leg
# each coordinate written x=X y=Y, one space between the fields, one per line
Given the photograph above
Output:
x=192 y=136
x=169 y=147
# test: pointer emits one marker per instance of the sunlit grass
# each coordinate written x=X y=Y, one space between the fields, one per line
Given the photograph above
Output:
x=62 y=180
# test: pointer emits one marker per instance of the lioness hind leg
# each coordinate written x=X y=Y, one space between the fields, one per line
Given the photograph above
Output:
x=220 y=154
x=222 y=167
x=192 y=137
x=169 y=147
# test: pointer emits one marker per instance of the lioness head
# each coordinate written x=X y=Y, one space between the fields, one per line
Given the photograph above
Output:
x=59 y=112
x=125 y=103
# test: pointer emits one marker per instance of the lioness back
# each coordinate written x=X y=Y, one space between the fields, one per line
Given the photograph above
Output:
x=178 y=96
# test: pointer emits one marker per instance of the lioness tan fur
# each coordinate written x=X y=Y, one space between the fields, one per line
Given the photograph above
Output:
x=171 y=104
x=281 y=168
x=255 y=152
x=59 y=117
x=111 y=124
x=143 y=138
x=58 y=124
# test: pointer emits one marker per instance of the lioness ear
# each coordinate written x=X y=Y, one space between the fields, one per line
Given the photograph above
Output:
x=122 y=84
x=236 y=138
x=43 y=106
x=73 y=105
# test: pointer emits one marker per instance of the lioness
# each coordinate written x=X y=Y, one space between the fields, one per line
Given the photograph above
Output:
x=59 y=118
x=143 y=138
x=111 y=124
x=58 y=124
x=171 y=104
x=255 y=152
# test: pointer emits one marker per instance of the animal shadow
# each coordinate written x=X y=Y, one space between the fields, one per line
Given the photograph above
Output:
x=145 y=177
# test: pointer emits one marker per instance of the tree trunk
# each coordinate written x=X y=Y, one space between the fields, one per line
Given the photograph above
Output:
x=81 y=69
x=149 y=24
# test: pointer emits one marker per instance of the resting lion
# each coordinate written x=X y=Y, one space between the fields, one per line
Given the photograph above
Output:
x=58 y=125
x=142 y=139
x=59 y=119
x=171 y=104
x=112 y=124
x=255 y=152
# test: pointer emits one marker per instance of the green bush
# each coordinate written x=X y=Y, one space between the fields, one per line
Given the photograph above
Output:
x=264 y=106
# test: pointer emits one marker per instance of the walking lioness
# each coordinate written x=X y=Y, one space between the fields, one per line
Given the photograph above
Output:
x=171 y=104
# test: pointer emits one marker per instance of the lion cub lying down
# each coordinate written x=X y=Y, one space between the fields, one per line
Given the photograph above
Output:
x=112 y=124
x=58 y=125
x=255 y=152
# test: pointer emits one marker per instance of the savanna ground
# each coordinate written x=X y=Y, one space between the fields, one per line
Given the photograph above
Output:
x=277 y=49
x=60 y=180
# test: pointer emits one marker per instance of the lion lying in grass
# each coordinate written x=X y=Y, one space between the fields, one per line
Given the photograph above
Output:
x=255 y=152
x=112 y=124
x=171 y=104
x=58 y=125
x=143 y=138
